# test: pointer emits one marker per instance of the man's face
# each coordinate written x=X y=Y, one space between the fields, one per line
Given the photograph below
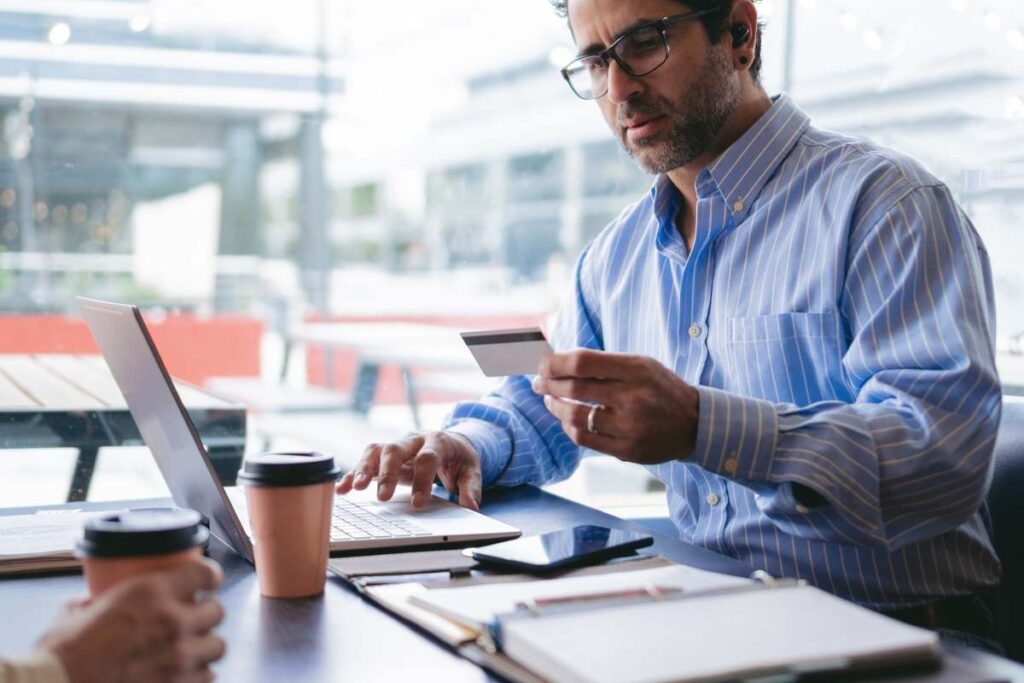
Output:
x=670 y=117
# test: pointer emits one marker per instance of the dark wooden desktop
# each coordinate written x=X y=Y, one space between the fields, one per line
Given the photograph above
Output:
x=341 y=637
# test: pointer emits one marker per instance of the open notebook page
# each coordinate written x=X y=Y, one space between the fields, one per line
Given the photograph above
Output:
x=712 y=638
x=477 y=605
x=44 y=534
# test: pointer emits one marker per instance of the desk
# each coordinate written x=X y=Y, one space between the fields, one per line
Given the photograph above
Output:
x=340 y=637
x=57 y=401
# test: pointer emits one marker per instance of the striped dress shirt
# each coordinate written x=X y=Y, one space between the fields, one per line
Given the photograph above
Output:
x=836 y=316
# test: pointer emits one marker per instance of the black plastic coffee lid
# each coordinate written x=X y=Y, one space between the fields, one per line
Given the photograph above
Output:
x=151 y=531
x=288 y=469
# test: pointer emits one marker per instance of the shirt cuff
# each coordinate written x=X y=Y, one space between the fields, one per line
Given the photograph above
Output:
x=735 y=435
x=492 y=443
x=39 y=667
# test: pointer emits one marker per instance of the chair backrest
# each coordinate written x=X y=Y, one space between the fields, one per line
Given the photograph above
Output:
x=1006 y=507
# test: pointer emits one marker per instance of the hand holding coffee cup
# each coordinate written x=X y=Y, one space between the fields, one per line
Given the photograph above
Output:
x=127 y=544
x=151 y=610
x=157 y=626
x=290 y=497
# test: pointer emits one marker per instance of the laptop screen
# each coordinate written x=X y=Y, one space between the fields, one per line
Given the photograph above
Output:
x=128 y=348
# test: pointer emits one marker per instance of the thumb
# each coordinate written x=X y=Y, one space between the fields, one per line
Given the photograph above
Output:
x=470 y=489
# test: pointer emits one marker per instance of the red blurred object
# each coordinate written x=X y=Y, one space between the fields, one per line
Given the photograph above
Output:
x=193 y=347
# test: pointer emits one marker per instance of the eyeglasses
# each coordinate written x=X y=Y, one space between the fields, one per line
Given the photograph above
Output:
x=637 y=52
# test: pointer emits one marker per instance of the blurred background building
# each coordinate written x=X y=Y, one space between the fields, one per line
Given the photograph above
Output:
x=344 y=161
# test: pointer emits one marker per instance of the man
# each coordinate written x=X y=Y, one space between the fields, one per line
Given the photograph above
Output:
x=152 y=629
x=792 y=331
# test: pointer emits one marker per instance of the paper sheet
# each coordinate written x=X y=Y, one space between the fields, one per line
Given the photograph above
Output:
x=42 y=535
x=478 y=605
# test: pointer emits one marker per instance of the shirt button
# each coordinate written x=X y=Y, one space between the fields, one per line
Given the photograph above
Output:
x=695 y=331
x=738 y=206
x=730 y=466
x=712 y=499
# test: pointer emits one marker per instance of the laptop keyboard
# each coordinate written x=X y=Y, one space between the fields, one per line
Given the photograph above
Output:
x=351 y=520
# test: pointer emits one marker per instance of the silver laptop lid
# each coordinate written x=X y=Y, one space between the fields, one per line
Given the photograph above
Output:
x=161 y=417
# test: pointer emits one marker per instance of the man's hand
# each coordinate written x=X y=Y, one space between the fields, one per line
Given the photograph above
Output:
x=155 y=627
x=416 y=460
x=646 y=413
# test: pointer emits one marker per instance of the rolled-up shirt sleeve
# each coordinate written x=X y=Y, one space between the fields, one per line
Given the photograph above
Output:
x=39 y=667
x=910 y=458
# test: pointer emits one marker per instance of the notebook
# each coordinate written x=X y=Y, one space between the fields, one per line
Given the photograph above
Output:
x=749 y=632
x=476 y=606
x=43 y=541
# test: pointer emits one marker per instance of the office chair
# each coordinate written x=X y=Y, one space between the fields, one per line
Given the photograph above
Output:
x=1006 y=509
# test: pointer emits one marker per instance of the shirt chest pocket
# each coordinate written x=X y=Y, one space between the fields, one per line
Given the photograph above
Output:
x=786 y=358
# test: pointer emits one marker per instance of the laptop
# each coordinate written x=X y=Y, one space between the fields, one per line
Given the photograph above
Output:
x=360 y=522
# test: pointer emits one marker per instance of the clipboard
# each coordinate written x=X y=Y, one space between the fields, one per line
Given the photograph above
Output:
x=391 y=593
x=497 y=647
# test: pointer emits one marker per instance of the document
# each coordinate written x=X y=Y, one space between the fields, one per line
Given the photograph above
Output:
x=41 y=541
x=476 y=606
x=718 y=636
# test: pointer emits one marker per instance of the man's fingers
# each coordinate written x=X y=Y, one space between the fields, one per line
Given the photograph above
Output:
x=575 y=419
x=202 y=617
x=187 y=580
x=201 y=652
x=424 y=467
x=368 y=467
x=393 y=458
x=562 y=410
x=609 y=445
x=602 y=391
x=470 y=489
x=588 y=364
x=189 y=657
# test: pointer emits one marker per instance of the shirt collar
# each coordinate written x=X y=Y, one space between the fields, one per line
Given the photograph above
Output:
x=742 y=171
x=663 y=194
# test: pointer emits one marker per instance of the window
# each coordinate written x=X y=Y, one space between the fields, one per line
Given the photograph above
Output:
x=239 y=182
x=610 y=173
x=536 y=177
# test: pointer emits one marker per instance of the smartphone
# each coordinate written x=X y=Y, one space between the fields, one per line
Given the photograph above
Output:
x=575 y=547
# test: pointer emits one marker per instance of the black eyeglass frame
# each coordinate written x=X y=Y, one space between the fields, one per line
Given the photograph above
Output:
x=609 y=53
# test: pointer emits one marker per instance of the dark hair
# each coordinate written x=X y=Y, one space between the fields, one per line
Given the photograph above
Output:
x=715 y=24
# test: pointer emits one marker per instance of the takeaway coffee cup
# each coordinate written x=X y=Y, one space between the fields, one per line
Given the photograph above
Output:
x=289 y=498
x=119 y=546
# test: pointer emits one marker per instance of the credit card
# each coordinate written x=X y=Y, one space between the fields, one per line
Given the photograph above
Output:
x=500 y=353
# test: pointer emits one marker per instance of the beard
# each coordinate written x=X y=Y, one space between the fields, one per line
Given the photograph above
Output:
x=695 y=119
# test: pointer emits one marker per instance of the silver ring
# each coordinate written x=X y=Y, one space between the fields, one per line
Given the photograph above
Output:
x=590 y=419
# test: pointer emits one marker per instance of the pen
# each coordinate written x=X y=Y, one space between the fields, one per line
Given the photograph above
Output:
x=648 y=591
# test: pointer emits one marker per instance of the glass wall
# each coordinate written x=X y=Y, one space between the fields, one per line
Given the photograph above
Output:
x=246 y=173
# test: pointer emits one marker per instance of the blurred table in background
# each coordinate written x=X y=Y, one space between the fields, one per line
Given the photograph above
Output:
x=429 y=357
x=72 y=401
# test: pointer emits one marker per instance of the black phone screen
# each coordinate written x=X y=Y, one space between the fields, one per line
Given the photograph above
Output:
x=575 y=546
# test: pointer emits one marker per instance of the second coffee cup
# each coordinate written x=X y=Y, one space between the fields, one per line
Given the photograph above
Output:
x=119 y=546
x=289 y=498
